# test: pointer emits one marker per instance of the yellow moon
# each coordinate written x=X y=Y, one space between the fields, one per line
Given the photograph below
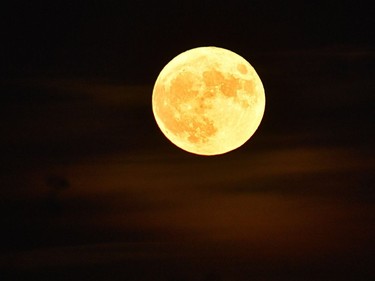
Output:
x=208 y=100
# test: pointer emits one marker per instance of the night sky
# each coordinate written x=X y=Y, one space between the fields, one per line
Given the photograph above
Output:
x=92 y=190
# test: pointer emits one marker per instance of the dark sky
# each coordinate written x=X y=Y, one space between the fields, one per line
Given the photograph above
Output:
x=91 y=190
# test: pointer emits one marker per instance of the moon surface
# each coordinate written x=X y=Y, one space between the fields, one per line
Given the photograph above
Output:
x=208 y=100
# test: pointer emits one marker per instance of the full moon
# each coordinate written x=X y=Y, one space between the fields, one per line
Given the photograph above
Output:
x=208 y=100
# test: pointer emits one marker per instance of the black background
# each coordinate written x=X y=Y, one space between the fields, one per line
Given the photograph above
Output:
x=91 y=189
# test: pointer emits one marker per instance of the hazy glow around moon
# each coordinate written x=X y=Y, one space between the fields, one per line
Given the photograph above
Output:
x=208 y=100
